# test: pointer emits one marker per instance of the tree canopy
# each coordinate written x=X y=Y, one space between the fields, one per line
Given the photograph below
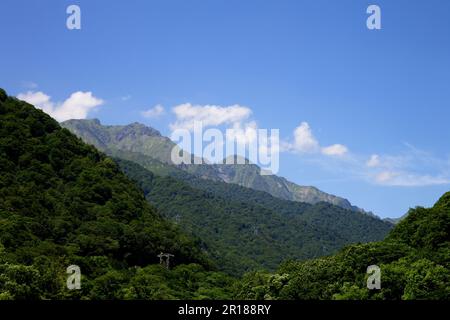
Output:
x=414 y=261
x=64 y=203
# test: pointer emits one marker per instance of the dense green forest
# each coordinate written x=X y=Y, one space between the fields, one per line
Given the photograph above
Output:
x=244 y=229
x=64 y=203
x=414 y=261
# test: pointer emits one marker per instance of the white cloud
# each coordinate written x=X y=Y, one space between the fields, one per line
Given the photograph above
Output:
x=385 y=176
x=38 y=99
x=125 y=98
x=305 y=142
x=234 y=120
x=335 y=150
x=374 y=161
x=244 y=133
x=210 y=115
x=405 y=179
x=77 y=106
x=411 y=168
x=154 y=112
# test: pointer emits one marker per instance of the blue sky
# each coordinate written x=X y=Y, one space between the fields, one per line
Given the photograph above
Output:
x=382 y=94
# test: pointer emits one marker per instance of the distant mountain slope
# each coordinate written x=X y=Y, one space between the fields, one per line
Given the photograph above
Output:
x=148 y=142
x=134 y=137
x=249 y=176
x=244 y=229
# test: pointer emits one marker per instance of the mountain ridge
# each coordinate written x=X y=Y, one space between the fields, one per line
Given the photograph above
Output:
x=151 y=143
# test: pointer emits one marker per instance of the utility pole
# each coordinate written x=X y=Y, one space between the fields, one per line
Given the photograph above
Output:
x=164 y=259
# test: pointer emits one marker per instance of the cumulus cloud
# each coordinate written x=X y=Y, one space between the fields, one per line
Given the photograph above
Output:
x=305 y=142
x=154 y=112
x=77 y=106
x=210 y=115
x=38 y=99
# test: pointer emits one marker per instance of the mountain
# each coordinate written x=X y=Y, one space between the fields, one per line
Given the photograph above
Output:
x=64 y=203
x=395 y=220
x=134 y=137
x=244 y=229
x=148 y=142
x=414 y=264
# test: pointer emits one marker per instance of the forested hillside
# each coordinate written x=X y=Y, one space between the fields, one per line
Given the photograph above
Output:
x=414 y=261
x=243 y=229
x=64 y=203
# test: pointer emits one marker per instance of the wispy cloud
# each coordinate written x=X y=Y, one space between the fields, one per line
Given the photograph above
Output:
x=77 y=106
x=407 y=179
x=154 y=112
x=374 y=161
x=411 y=168
x=335 y=150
